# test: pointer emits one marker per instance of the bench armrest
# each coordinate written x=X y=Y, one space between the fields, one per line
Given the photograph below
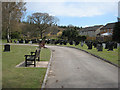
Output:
x=29 y=55
x=32 y=53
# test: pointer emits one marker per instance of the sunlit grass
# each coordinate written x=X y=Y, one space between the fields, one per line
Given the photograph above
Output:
x=29 y=77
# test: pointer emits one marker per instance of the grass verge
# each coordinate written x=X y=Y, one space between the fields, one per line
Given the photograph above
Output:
x=29 y=77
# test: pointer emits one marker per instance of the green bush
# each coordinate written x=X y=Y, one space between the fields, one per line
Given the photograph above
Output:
x=15 y=35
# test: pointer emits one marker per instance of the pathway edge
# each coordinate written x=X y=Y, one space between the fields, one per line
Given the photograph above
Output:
x=93 y=55
x=48 y=68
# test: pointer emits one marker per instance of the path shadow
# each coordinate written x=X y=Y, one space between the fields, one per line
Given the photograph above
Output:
x=42 y=64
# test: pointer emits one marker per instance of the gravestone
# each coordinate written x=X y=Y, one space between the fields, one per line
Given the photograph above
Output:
x=65 y=42
x=26 y=41
x=110 y=46
x=106 y=45
x=34 y=41
x=82 y=43
x=99 y=47
x=52 y=41
x=14 y=41
x=115 y=45
x=21 y=41
x=95 y=44
x=30 y=42
x=18 y=42
x=56 y=42
x=61 y=42
x=48 y=41
x=71 y=42
x=103 y=45
x=76 y=43
x=6 y=48
x=89 y=44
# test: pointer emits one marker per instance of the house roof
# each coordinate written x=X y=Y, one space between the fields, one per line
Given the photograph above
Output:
x=108 y=26
x=92 y=28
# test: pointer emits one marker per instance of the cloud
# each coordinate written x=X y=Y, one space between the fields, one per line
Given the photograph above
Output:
x=73 y=9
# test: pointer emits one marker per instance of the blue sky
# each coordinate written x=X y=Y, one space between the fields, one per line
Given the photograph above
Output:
x=77 y=13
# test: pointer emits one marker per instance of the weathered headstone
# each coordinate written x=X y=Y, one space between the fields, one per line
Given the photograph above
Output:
x=110 y=46
x=82 y=43
x=71 y=42
x=103 y=45
x=99 y=47
x=95 y=44
x=18 y=42
x=115 y=45
x=65 y=42
x=106 y=45
x=89 y=44
x=30 y=42
x=21 y=41
x=14 y=41
x=26 y=41
x=76 y=43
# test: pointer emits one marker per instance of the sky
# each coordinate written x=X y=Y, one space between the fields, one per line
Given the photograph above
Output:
x=78 y=12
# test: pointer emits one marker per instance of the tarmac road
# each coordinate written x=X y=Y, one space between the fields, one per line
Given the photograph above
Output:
x=72 y=68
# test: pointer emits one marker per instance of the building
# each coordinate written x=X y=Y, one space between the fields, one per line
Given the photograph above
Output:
x=105 y=33
x=108 y=28
x=91 y=31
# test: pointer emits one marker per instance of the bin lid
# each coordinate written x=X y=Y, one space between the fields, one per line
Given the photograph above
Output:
x=7 y=44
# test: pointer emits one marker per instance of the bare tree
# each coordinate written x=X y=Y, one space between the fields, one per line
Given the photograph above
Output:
x=42 y=21
x=12 y=12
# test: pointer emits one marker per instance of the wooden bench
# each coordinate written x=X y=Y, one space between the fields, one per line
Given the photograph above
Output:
x=32 y=58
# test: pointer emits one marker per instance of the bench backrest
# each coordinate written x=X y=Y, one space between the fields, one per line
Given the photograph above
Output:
x=37 y=52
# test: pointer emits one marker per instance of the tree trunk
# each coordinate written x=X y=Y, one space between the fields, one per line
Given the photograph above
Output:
x=8 y=29
x=8 y=35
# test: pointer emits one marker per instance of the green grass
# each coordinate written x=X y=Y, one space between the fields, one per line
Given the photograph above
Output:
x=4 y=41
x=45 y=54
x=112 y=56
x=30 y=77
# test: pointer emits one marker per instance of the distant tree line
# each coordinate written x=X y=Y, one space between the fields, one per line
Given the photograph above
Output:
x=35 y=26
x=71 y=34
x=12 y=13
x=75 y=27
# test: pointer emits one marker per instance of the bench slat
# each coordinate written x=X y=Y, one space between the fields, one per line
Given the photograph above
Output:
x=33 y=57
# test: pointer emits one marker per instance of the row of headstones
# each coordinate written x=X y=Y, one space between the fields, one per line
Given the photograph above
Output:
x=99 y=45
x=48 y=41
x=26 y=41
x=62 y=42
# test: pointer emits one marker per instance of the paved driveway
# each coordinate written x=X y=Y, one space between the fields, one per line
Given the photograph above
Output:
x=72 y=68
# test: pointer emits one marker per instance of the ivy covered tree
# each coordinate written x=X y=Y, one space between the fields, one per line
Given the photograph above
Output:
x=116 y=32
x=12 y=13
x=70 y=34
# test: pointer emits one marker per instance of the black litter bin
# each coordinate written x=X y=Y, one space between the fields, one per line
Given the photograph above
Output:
x=6 y=48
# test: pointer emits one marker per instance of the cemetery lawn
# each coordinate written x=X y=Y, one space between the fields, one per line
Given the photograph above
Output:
x=112 y=56
x=22 y=77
